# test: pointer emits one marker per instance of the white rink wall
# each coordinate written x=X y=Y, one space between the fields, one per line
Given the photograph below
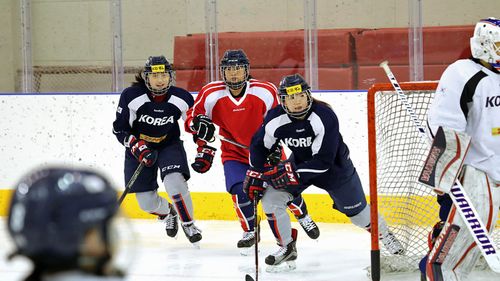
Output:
x=76 y=129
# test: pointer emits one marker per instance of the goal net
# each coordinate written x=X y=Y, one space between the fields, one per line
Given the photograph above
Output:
x=77 y=78
x=396 y=157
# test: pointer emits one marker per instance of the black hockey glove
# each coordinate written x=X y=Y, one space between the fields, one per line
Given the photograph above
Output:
x=141 y=151
x=204 y=159
x=204 y=128
x=254 y=184
x=283 y=175
x=275 y=157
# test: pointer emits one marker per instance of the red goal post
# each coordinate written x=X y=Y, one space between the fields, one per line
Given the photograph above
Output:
x=396 y=154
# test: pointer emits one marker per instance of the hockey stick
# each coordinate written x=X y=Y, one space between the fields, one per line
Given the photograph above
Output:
x=460 y=198
x=256 y=237
x=131 y=182
x=222 y=138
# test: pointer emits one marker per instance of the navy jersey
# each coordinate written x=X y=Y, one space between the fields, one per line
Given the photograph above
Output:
x=316 y=143
x=155 y=122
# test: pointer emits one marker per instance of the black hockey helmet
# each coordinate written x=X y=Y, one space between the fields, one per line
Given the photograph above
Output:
x=53 y=208
x=157 y=64
x=235 y=58
x=294 y=84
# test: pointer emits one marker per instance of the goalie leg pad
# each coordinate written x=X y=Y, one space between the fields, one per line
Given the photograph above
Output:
x=463 y=253
x=445 y=159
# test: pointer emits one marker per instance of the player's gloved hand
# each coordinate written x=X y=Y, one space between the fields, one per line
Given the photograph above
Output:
x=204 y=128
x=275 y=157
x=254 y=184
x=141 y=151
x=283 y=175
x=204 y=158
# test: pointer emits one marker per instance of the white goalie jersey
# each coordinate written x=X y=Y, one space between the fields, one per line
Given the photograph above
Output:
x=468 y=100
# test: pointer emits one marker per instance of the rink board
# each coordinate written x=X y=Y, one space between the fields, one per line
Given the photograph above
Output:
x=75 y=129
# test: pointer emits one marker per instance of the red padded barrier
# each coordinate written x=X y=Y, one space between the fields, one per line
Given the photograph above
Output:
x=273 y=49
x=369 y=75
x=442 y=45
x=329 y=78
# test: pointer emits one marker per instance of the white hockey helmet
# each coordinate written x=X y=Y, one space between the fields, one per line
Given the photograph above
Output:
x=482 y=43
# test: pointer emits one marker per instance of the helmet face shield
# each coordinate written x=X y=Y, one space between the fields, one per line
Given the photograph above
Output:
x=295 y=96
x=235 y=68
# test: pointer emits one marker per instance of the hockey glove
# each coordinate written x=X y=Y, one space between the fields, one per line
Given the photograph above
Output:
x=204 y=128
x=275 y=157
x=283 y=175
x=204 y=159
x=141 y=151
x=254 y=184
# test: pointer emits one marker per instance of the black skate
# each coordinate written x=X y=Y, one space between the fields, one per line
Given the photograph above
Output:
x=247 y=242
x=171 y=222
x=193 y=233
x=308 y=225
x=286 y=254
x=391 y=243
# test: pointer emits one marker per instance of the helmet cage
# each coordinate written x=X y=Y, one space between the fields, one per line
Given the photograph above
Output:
x=486 y=34
x=301 y=113
x=234 y=59
x=238 y=84
x=154 y=65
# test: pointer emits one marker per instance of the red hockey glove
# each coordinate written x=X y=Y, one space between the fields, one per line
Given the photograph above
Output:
x=204 y=159
x=254 y=184
x=282 y=176
x=141 y=151
x=204 y=128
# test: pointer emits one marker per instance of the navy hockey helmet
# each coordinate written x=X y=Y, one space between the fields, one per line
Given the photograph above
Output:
x=154 y=66
x=291 y=85
x=53 y=208
x=234 y=59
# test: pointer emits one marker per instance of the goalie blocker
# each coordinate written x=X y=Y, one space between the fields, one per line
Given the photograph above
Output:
x=445 y=159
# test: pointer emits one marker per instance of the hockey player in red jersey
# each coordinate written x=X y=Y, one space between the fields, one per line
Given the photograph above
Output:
x=238 y=105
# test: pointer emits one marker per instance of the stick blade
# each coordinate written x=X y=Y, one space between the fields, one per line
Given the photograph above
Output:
x=249 y=278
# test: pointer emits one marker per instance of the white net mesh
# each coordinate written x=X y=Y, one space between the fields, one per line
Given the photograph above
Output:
x=77 y=78
x=409 y=207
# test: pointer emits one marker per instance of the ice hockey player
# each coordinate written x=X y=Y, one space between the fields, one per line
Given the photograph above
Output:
x=238 y=105
x=60 y=219
x=310 y=129
x=467 y=101
x=147 y=125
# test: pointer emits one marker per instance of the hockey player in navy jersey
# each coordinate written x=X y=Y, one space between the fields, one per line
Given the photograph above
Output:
x=147 y=125
x=467 y=101
x=310 y=129
x=61 y=220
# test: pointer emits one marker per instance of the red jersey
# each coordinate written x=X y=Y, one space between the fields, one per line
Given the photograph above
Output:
x=238 y=118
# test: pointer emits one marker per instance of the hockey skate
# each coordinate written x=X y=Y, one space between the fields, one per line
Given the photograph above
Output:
x=247 y=242
x=170 y=221
x=192 y=232
x=284 y=258
x=389 y=240
x=308 y=225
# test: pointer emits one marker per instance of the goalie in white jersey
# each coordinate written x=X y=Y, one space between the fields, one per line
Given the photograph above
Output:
x=468 y=101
